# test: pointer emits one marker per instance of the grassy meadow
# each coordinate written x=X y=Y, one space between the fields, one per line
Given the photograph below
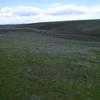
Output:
x=38 y=67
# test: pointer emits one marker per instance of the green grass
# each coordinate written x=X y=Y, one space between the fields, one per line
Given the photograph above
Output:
x=36 y=67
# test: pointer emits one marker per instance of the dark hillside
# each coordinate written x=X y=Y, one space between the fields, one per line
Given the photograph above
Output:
x=86 y=30
x=82 y=30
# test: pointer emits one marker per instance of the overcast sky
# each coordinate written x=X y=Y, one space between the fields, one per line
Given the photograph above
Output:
x=30 y=11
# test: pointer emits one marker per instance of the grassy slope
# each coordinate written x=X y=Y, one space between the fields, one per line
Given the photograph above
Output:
x=38 y=67
x=77 y=30
x=87 y=30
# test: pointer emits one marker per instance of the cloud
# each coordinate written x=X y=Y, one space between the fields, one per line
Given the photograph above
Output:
x=63 y=9
x=19 y=11
x=55 y=12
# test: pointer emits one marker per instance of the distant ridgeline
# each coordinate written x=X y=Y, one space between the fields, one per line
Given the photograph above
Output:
x=86 y=30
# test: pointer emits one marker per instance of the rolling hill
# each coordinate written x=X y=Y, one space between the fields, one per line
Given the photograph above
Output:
x=50 y=61
x=87 y=30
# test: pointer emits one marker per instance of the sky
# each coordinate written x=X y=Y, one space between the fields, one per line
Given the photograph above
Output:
x=33 y=11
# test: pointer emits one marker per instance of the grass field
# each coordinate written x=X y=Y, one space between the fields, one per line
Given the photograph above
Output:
x=38 y=67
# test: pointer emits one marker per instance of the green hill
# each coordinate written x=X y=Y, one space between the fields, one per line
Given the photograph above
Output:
x=87 y=30
x=50 y=61
x=81 y=30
